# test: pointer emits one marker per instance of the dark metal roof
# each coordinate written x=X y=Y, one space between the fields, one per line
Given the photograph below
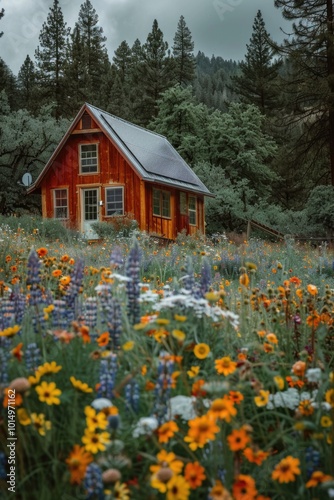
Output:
x=151 y=153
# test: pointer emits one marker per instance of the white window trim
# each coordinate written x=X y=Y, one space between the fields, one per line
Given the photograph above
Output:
x=114 y=186
x=97 y=157
x=54 y=203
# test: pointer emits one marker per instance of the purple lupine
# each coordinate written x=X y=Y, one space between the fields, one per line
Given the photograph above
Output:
x=111 y=315
x=205 y=278
x=34 y=279
x=163 y=387
x=71 y=296
x=4 y=358
x=90 y=312
x=59 y=315
x=132 y=270
x=189 y=279
x=32 y=357
x=19 y=301
x=108 y=371
x=7 y=313
x=93 y=483
x=132 y=395
x=116 y=258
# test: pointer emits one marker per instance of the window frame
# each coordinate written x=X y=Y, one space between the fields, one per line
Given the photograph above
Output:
x=55 y=207
x=106 y=201
x=183 y=203
x=162 y=193
x=192 y=211
x=97 y=158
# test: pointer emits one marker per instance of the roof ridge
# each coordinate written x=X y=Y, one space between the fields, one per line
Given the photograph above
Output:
x=127 y=122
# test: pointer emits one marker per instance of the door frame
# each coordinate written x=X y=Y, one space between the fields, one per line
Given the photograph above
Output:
x=82 y=190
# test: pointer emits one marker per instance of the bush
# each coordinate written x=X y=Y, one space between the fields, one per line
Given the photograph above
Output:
x=117 y=227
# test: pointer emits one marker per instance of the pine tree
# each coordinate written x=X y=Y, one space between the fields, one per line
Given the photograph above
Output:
x=153 y=73
x=27 y=85
x=122 y=61
x=257 y=83
x=2 y=13
x=93 y=53
x=8 y=84
x=310 y=89
x=51 y=57
x=183 y=54
x=75 y=72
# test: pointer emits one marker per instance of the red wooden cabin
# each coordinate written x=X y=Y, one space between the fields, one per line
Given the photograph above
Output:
x=106 y=167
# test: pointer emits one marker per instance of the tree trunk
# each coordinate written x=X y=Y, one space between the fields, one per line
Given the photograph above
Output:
x=330 y=66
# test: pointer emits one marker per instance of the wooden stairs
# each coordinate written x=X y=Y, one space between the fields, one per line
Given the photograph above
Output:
x=263 y=227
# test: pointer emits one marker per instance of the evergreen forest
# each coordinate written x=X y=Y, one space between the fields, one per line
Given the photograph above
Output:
x=259 y=132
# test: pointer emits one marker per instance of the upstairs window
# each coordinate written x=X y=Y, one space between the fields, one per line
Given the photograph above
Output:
x=86 y=122
x=115 y=201
x=60 y=203
x=88 y=158
x=161 y=203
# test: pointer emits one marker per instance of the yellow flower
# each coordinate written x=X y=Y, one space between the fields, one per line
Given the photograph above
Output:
x=40 y=424
x=177 y=317
x=326 y=421
x=286 y=470
x=128 y=346
x=95 y=442
x=279 y=381
x=262 y=399
x=10 y=331
x=162 y=321
x=48 y=368
x=201 y=351
x=178 y=488
x=225 y=366
x=23 y=416
x=48 y=393
x=95 y=420
x=329 y=397
x=193 y=371
x=178 y=335
x=81 y=386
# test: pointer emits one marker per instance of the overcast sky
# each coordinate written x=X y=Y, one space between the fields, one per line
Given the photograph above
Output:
x=219 y=27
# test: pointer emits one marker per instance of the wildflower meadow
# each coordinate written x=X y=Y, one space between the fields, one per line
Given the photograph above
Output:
x=199 y=369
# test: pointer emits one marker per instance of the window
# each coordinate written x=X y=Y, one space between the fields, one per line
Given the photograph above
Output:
x=183 y=204
x=86 y=121
x=161 y=203
x=115 y=201
x=88 y=158
x=60 y=203
x=192 y=209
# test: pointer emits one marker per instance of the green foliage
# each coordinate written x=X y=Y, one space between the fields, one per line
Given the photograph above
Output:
x=44 y=229
x=320 y=209
x=117 y=227
x=26 y=144
x=184 y=63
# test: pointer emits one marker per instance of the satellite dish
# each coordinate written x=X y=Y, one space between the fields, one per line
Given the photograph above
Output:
x=27 y=179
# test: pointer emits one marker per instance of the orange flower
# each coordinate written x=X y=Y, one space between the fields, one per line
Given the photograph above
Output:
x=255 y=456
x=299 y=368
x=268 y=347
x=17 y=351
x=305 y=408
x=64 y=258
x=223 y=408
x=196 y=389
x=293 y=382
x=271 y=337
x=42 y=252
x=166 y=431
x=286 y=470
x=299 y=293
x=65 y=280
x=296 y=281
x=149 y=386
x=317 y=478
x=77 y=463
x=201 y=430
x=313 y=319
x=56 y=273
x=238 y=439
x=244 y=488
x=218 y=492
x=194 y=474
x=312 y=289
x=8 y=258
x=168 y=459
x=84 y=330
x=103 y=339
x=225 y=365
x=235 y=396
x=6 y=400
x=244 y=279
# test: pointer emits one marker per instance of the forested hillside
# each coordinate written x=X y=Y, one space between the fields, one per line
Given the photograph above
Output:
x=259 y=133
